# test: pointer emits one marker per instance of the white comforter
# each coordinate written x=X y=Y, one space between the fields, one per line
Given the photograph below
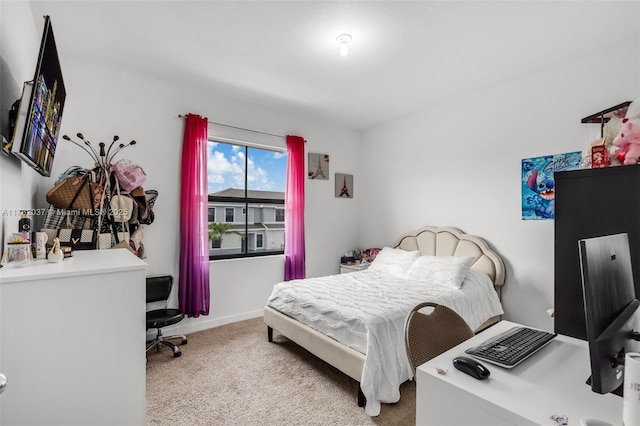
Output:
x=366 y=311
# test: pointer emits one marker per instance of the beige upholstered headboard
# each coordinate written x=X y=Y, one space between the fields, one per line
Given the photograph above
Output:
x=448 y=241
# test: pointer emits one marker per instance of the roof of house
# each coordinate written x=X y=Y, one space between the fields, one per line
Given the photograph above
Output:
x=239 y=193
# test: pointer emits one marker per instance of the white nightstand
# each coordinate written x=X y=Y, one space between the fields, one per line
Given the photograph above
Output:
x=345 y=269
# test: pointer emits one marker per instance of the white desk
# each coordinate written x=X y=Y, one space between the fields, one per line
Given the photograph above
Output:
x=551 y=382
x=72 y=341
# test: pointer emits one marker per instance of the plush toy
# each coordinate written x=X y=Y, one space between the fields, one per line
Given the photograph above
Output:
x=610 y=131
x=627 y=142
x=633 y=110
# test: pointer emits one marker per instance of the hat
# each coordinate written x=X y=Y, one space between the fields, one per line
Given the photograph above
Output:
x=130 y=175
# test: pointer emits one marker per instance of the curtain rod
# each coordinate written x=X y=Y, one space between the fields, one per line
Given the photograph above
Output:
x=239 y=128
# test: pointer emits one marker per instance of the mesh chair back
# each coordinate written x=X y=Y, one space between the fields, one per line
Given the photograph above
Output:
x=159 y=288
x=427 y=335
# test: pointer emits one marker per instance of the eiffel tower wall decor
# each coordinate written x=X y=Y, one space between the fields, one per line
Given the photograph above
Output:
x=318 y=166
x=344 y=185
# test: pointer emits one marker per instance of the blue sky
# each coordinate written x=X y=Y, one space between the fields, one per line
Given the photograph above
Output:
x=225 y=166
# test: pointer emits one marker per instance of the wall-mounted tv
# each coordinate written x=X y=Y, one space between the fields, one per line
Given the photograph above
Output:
x=40 y=112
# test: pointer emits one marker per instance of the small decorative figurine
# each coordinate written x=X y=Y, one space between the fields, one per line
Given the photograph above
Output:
x=55 y=254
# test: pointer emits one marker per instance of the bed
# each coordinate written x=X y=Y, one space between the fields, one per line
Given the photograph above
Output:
x=355 y=321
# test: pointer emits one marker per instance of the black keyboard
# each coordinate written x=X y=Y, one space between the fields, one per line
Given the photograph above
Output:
x=512 y=347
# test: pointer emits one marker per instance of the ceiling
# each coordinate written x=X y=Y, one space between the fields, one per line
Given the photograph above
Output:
x=404 y=56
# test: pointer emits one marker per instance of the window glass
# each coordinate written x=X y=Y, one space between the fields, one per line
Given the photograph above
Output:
x=249 y=184
x=212 y=214
x=228 y=214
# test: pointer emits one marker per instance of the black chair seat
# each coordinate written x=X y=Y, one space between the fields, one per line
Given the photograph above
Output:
x=158 y=290
x=163 y=318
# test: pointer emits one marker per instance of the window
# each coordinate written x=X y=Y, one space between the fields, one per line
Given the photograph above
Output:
x=248 y=183
x=228 y=214
x=279 y=215
x=212 y=214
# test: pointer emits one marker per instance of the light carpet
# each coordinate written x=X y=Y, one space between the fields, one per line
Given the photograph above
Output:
x=231 y=375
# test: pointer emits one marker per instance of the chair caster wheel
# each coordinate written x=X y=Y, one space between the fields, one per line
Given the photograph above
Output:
x=177 y=354
x=184 y=342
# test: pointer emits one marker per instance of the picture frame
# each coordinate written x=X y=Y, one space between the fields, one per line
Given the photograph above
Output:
x=344 y=185
x=318 y=166
x=538 y=186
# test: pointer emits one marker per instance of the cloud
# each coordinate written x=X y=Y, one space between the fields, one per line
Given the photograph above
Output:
x=222 y=172
x=226 y=163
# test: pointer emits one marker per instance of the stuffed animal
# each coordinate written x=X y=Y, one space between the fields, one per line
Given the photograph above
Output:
x=633 y=110
x=610 y=131
x=627 y=141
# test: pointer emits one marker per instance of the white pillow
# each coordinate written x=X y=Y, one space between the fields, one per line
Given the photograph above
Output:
x=449 y=271
x=394 y=261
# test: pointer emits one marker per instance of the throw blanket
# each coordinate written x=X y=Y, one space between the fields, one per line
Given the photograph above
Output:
x=367 y=310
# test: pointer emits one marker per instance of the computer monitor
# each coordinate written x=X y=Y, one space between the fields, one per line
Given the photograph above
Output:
x=611 y=308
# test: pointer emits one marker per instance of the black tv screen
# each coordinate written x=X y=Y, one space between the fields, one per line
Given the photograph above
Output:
x=40 y=112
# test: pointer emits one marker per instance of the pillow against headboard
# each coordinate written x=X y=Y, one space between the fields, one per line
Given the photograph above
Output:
x=448 y=271
x=370 y=254
x=394 y=261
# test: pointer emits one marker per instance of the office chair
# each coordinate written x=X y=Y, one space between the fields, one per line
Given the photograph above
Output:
x=158 y=290
x=427 y=335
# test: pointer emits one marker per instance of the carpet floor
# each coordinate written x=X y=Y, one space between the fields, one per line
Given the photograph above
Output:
x=231 y=375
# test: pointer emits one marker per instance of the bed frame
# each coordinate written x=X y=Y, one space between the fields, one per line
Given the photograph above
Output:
x=435 y=241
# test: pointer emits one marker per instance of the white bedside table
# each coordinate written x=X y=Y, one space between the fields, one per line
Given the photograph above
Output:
x=345 y=269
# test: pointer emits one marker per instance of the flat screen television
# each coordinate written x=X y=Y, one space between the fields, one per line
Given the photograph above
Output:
x=40 y=112
x=611 y=308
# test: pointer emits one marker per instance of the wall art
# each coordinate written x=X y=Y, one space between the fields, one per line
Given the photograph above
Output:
x=318 y=166
x=344 y=185
x=538 y=185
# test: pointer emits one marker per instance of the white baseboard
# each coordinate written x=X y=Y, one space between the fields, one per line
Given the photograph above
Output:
x=203 y=323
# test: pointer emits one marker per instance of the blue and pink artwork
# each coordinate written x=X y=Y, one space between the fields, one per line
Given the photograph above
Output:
x=538 y=185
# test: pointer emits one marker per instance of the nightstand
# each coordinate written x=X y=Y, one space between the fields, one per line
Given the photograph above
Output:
x=345 y=269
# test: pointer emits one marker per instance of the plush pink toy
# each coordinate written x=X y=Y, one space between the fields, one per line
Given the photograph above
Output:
x=627 y=142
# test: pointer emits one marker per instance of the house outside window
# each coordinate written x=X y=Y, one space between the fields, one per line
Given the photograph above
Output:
x=248 y=183
x=212 y=214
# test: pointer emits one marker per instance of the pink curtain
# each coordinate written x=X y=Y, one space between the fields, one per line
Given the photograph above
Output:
x=294 y=251
x=193 y=292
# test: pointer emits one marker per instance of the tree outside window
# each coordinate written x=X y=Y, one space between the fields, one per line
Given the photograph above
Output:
x=218 y=230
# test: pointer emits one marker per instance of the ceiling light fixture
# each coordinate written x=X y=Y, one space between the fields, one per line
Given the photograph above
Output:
x=344 y=40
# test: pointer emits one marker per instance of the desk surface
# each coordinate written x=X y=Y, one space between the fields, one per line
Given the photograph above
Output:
x=551 y=382
x=83 y=262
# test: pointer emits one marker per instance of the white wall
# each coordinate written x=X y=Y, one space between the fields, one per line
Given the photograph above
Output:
x=460 y=165
x=104 y=100
x=19 y=44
